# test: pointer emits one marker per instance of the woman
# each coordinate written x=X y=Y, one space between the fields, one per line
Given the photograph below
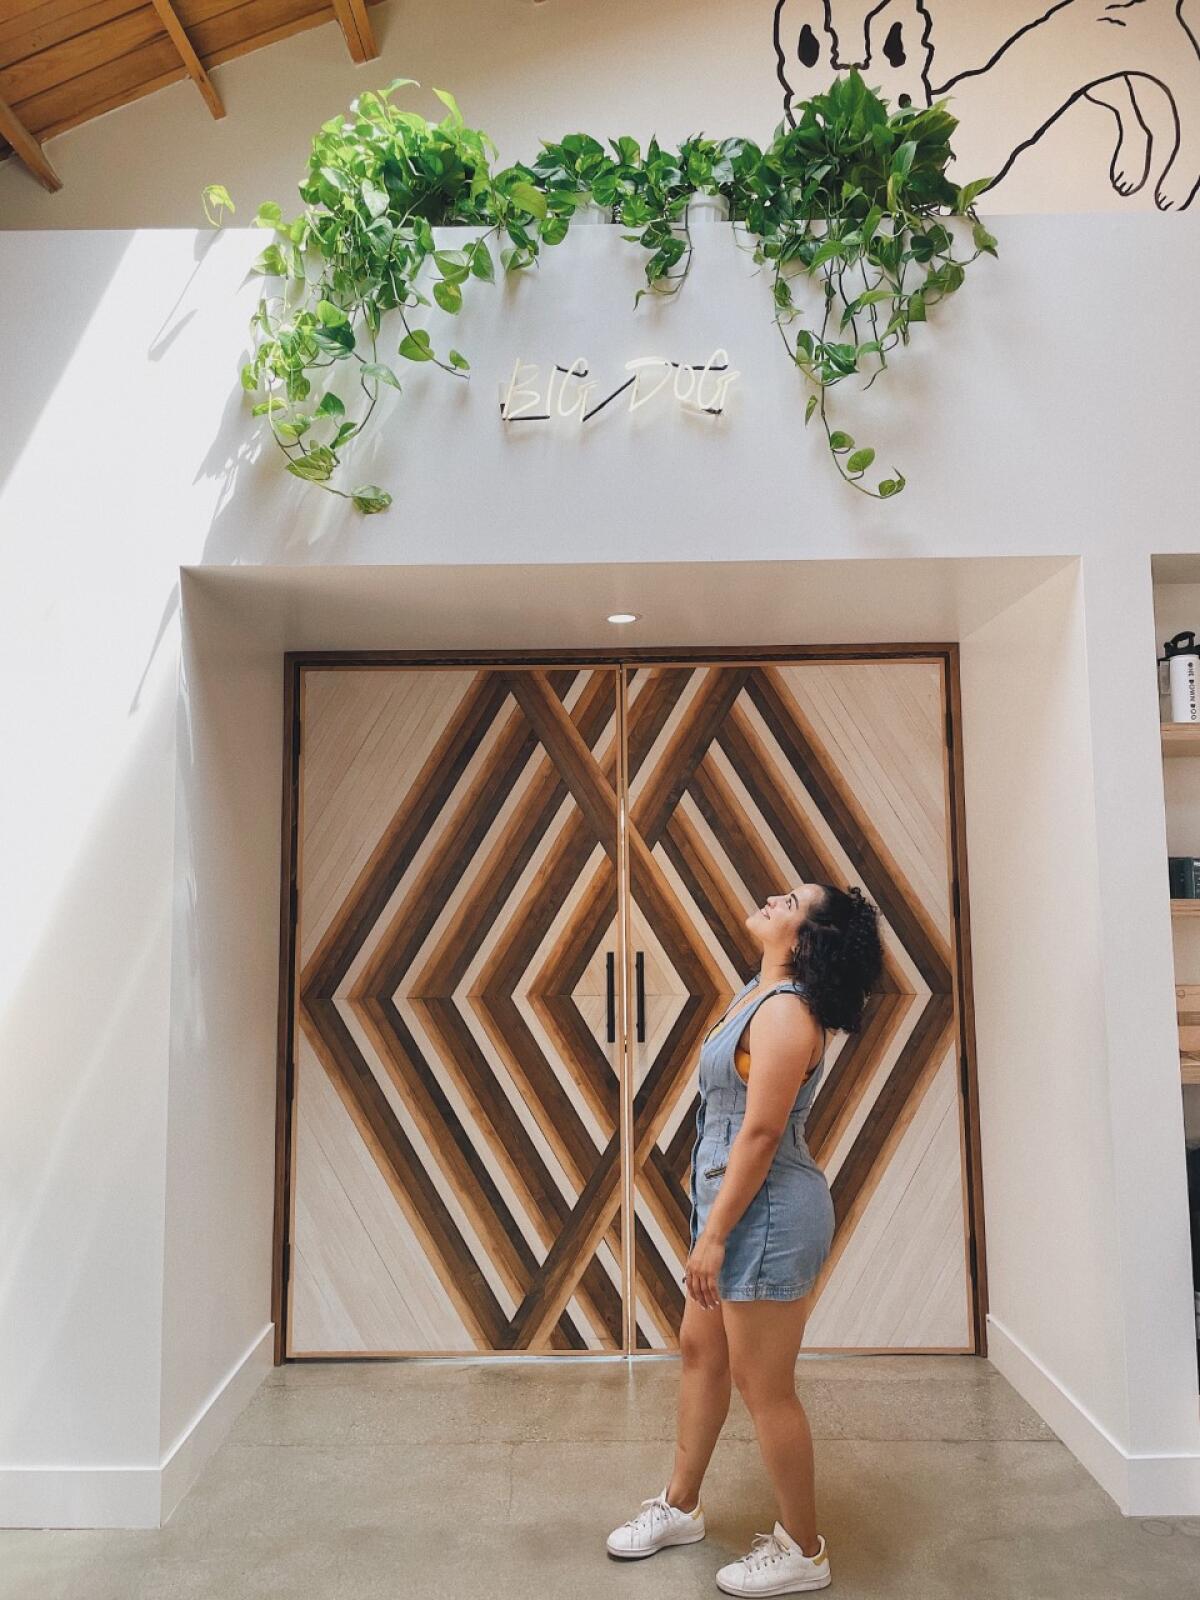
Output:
x=761 y=1228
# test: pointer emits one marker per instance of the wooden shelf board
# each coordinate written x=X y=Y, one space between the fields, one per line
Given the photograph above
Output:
x=1185 y=908
x=1180 y=738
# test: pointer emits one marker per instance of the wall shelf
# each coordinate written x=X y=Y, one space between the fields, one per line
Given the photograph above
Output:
x=1180 y=738
x=1185 y=908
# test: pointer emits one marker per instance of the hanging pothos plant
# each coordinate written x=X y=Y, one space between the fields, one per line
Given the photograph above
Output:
x=852 y=203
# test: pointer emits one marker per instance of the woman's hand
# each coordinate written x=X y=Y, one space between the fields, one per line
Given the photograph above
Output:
x=703 y=1269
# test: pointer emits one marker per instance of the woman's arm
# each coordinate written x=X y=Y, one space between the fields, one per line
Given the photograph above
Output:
x=784 y=1036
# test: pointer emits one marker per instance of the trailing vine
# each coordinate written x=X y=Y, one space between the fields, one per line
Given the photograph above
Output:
x=852 y=201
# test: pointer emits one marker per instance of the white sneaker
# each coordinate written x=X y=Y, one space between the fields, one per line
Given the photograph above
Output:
x=657 y=1524
x=775 y=1564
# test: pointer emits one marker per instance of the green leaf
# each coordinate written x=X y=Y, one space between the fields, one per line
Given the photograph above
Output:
x=860 y=460
x=370 y=498
x=459 y=361
x=810 y=408
x=415 y=346
x=331 y=406
x=316 y=466
x=983 y=239
x=451 y=104
x=448 y=296
x=332 y=316
x=374 y=198
x=215 y=194
x=453 y=265
x=271 y=263
x=903 y=159
x=968 y=193
x=268 y=215
x=890 y=486
x=377 y=370
x=529 y=199
x=840 y=441
x=481 y=261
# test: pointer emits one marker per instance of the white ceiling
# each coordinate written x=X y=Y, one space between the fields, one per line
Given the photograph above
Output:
x=564 y=606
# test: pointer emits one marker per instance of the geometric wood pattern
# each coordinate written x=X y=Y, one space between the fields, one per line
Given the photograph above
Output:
x=459 y=1170
x=457 y=896
x=742 y=780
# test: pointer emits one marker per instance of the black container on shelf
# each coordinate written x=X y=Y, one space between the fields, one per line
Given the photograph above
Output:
x=1184 y=873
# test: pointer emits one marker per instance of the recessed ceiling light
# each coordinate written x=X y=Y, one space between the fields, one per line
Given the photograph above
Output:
x=623 y=616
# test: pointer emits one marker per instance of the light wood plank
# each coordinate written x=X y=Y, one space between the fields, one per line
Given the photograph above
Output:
x=195 y=69
x=1181 y=738
x=356 y=29
x=27 y=148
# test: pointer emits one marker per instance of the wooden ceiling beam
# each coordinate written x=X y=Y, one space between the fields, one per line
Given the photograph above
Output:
x=195 y=68
x=27 y=148
x=356 y=29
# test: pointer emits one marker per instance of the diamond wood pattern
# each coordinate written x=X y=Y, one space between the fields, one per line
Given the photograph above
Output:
x=458 y=1171
x=743 y=780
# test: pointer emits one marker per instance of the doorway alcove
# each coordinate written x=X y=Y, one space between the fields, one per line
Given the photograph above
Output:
x=1017 y=628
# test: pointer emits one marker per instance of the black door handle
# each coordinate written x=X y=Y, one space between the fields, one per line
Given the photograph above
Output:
x=639 y=973
x=610 y=997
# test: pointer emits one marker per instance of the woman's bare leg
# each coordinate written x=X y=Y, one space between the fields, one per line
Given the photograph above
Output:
x=704 y=1391
x=764 y=1340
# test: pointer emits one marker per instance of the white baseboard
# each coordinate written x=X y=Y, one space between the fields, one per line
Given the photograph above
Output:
x=183 y=1462
x=1141 y=1485
x=80 y=1497
x=134 y=1497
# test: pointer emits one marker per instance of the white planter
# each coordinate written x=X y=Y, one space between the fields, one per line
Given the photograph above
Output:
x=707 y=208
x=590 y=213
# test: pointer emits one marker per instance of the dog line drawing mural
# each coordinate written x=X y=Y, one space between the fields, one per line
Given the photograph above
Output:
x=1138 y=58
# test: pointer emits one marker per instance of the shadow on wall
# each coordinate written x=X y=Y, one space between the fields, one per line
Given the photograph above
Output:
x=30 y=291
x=82 y=1146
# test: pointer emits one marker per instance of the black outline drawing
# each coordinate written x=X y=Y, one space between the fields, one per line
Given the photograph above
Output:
x=1109 y=50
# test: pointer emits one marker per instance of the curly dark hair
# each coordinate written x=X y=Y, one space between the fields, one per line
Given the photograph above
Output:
x=838 y=957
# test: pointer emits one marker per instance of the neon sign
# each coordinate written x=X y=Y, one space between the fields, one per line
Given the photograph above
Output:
x=571 y=391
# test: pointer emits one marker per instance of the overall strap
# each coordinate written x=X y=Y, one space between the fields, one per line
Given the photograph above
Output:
x=746 y=1012
x=797 y=987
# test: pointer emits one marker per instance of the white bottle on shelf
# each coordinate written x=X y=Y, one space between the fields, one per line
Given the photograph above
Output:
x=1181 y=657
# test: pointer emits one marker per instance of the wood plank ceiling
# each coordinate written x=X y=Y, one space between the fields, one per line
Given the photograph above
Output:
x=63 y=62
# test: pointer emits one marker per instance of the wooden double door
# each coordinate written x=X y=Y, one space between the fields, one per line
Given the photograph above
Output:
x=519 y=902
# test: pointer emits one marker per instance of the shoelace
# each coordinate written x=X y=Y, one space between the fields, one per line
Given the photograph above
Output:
x=651 y=1511
x=765 y=1549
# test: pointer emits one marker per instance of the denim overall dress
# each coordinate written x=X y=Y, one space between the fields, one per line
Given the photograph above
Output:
x=780 y=1242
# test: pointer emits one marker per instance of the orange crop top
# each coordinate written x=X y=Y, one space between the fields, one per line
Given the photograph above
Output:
x=741 y=1061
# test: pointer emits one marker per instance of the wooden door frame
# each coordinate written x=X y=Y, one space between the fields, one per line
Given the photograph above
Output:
x=295 y=662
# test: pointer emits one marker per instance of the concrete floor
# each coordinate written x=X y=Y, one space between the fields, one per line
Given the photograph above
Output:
x=493 y=1482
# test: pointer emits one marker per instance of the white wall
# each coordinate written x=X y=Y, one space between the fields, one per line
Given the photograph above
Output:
x=1018 y=440
x=224 y=987
x=527 y=71
x=1050 y=1182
